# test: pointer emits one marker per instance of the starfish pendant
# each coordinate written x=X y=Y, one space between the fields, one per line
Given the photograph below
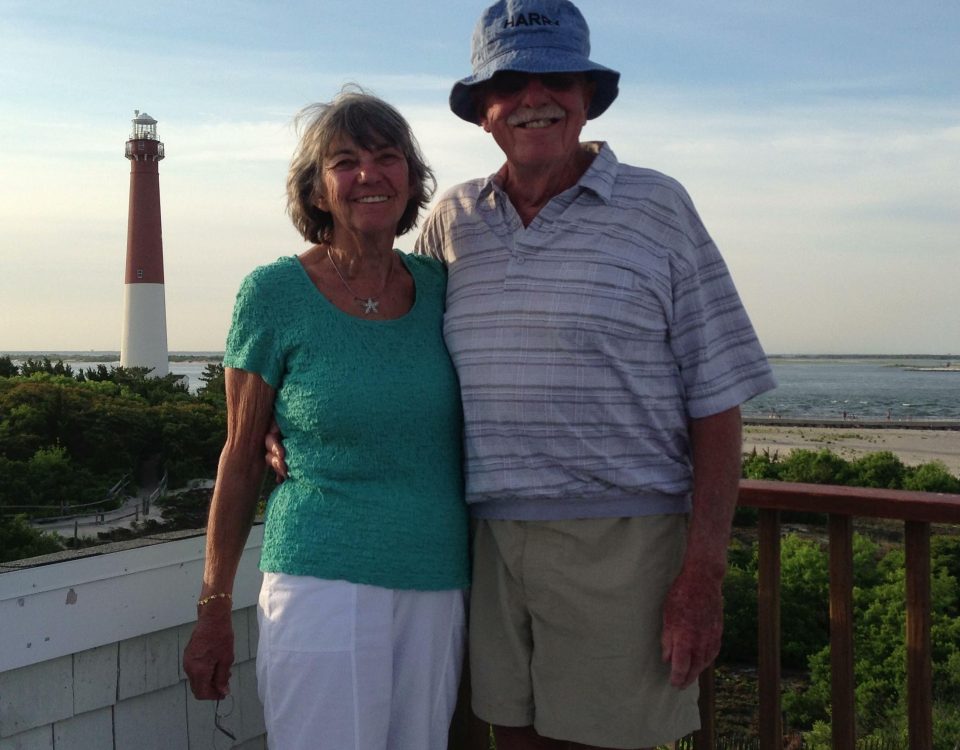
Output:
x=370 y=305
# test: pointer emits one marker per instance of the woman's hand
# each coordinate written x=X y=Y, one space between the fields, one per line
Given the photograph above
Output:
x=275 y=454
x=209 y=654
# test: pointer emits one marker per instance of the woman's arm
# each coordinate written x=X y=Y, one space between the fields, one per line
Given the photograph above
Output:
x=209 y=655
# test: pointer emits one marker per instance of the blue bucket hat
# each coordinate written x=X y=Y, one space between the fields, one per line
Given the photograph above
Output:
x=532 y=36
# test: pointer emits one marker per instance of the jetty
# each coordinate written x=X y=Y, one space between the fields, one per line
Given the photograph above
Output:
x=872 y=423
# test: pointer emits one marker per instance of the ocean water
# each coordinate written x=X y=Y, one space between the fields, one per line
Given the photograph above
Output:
x=898 y=388
x=895 y=388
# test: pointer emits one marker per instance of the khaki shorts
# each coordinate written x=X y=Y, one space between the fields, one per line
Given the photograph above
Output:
x=565 y=620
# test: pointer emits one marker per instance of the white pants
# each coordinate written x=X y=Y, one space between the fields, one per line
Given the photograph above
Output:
x=343 y=666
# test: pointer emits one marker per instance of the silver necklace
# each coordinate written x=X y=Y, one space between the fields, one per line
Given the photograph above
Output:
x=370 y=304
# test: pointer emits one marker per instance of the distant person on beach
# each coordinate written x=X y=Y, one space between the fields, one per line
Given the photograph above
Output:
x=364 y=555
x=603 y=353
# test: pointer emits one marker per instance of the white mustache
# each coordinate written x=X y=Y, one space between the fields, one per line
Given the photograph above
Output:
x=530 y=114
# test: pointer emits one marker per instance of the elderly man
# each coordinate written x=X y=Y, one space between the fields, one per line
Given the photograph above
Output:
x=603 y=354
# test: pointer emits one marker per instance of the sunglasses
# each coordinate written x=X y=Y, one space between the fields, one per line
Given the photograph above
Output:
x=509 y=82
x=218 y=719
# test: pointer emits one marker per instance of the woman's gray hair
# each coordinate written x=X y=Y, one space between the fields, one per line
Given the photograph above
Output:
x=371 y=123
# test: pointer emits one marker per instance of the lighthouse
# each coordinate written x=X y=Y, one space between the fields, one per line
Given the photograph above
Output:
x=143 y=342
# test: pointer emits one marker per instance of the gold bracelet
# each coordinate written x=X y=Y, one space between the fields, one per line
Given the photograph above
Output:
x=208 y=599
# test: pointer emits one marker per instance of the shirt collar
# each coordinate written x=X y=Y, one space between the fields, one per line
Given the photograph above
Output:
x=598 y=178
x=602 y=172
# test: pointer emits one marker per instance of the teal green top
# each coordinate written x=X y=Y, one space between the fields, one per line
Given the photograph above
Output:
x=371 y=418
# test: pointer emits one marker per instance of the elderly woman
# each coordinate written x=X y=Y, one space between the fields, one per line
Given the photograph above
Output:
x=364 y=552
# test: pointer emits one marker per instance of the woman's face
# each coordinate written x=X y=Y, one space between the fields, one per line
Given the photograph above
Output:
x=365 y=190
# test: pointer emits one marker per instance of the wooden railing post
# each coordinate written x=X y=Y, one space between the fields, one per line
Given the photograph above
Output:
x=768 y=630
x=843 y=725
x=919 y=670
x=705 y=738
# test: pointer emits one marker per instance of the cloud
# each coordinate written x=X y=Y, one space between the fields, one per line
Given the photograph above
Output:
x=818 y=143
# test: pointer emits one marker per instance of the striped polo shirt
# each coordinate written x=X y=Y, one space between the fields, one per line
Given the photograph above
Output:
x=586 y=341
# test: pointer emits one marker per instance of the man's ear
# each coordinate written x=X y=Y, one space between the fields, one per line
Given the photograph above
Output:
x=588 y=91
x=479 y=100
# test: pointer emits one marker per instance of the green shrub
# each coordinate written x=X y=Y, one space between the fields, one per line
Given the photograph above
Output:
x=739 y=643
x=815 y=467
x=804 y=607
x=19 y=540
x=931 y=477
x=761 y=465
x=882 y=470
x=945 y=555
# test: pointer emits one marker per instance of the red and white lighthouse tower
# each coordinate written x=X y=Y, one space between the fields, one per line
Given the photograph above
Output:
x=143 y=342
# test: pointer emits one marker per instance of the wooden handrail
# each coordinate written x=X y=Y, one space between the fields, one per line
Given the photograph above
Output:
x=932 y=507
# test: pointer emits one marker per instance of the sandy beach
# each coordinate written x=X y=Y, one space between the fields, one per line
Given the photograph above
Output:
x=913 y=446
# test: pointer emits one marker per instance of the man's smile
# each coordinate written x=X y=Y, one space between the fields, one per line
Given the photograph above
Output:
x=541 y=117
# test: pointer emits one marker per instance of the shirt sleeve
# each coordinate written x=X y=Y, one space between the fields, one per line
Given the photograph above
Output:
x=721 y=361
x=430 y=241
x=254 y=341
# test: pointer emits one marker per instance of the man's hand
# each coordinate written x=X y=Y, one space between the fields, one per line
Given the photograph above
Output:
x=692 y=626
x=209 y=654
x=275 y=455
x=693 y=609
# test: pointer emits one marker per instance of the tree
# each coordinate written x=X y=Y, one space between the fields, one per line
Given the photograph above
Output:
x=7 y=368
x=19 y=540
x=64 y=440
x=13 y=483
x=213 y=389
x=191 y=436
x=153 y=390
x=32 y=366
x=102 y=427
x=101 y=374
x=30 y=416
x=55 y=480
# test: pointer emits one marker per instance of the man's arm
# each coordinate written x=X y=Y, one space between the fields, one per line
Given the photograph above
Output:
x=430 y=240
x=693 y=609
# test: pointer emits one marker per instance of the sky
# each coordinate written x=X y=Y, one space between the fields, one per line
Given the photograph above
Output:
x=820 y=142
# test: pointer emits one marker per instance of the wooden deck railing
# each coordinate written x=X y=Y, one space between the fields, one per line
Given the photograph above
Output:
x=842 y=504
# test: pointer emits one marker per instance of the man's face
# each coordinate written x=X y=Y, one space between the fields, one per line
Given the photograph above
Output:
x=535 y=119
